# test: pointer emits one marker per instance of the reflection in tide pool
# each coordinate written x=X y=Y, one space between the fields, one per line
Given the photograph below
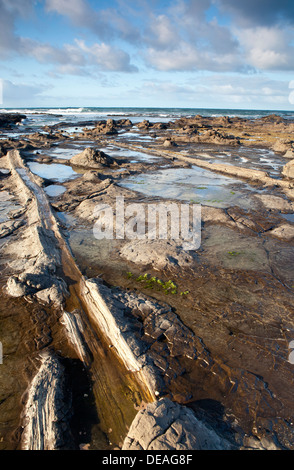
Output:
x=195 y=185
x=288 y=217
x=136 y=136
x=67 y=219
x=62 y=153
x=55 y=190
x=132 y=155
x=53 y=171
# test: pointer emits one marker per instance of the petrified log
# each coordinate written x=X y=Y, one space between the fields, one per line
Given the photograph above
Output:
x=48 y=409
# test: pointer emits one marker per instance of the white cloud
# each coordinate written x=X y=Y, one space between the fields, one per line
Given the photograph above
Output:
x=47 y=54
x=176 y=36
x=75 y=58
x=78 y=11
x=161 y=33
x=104 y=23
x=187 y=57
x=184 y=39
x=267 y=48
x=78 y=58
x=107 y=57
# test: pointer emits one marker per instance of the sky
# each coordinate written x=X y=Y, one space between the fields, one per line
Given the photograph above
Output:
x=147 y=53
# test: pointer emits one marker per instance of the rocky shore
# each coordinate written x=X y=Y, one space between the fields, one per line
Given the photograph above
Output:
x=178 y=349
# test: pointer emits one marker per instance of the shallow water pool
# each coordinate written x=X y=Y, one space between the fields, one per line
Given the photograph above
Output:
x=55 y=190
x=194 y=184
x=53 y=171
x=132 y=155
x=288 y=217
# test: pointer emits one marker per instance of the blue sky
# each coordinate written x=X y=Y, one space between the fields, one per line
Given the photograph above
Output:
x=181 y=53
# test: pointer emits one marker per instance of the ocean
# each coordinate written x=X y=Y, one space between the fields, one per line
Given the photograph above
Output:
x=41 y=116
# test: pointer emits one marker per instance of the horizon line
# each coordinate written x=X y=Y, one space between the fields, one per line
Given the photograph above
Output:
x=143 y=107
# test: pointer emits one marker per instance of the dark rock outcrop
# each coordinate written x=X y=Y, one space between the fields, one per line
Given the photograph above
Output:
x=106 y=127
x=144 y=124
x=272 y=118
x=92 y=159
x=8 y=120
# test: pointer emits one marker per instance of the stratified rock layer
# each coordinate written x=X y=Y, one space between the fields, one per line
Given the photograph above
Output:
x=37 y=256
x=47 y=411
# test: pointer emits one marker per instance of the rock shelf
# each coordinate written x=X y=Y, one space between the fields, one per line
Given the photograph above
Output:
x=39 y=280
x=157 y=364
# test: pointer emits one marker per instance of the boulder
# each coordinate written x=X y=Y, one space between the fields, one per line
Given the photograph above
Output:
x=144 y=124
x=92 y=176
x=92 y=158
x=288 y=170
x=53 y=295
x=282 y=145
x=222 y=121
x=124 y=123
x=289 y=153
x=159 y=125
x=47 y=288
x=272 y=118
x=105 y=127
x=215 y=137
x=15 y=288
x=165 y=425
x=169 y=143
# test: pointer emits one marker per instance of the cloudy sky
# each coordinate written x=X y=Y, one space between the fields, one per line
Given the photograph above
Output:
x=154 y=53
